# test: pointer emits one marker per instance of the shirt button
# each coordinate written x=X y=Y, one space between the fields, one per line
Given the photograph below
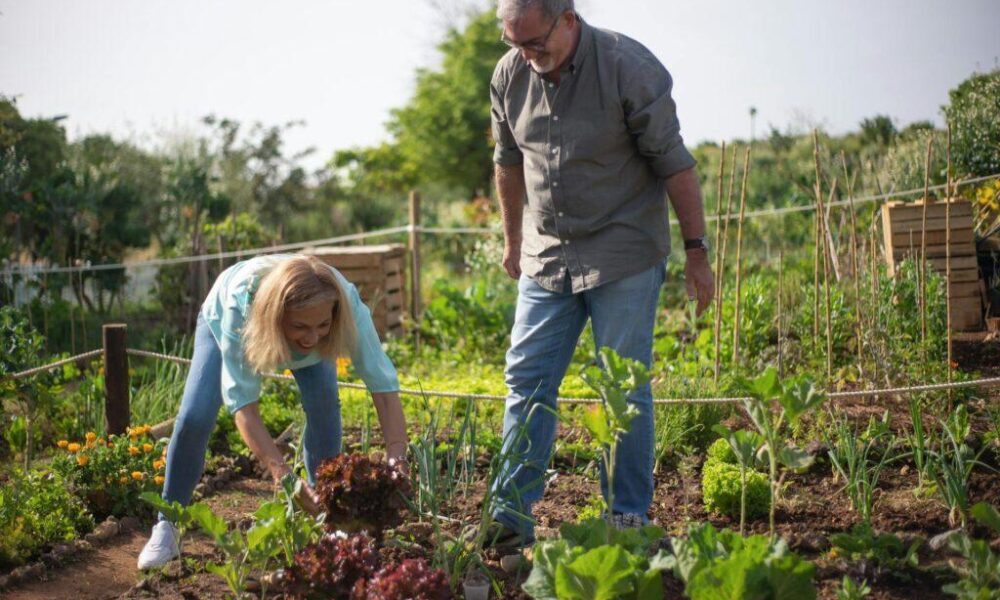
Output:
x=555 y=151
x=555 y=184
x=562 y=214
x=555 y=118
x=566 y=242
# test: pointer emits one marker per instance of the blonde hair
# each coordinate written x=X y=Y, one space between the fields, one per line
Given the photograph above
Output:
x=295 y=283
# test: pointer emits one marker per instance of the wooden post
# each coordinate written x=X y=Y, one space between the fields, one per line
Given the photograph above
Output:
x=116 y=384
x=414 y=256
x=739 y=257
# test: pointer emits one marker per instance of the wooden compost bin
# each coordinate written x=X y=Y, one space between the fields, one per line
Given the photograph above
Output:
x=902 y=226
x=378 y=273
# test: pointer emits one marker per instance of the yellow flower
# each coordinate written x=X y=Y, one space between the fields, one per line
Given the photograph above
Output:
x=62 y=443
x=132 y=450
x=287 y=372
x=91 y=436
x=158 y=464
x=342 y=364
x=100 y=441
x=159 y=480
x=136 y=475
x=73 y=448
x=123 y=479
x=147 y=448
x=82 y=460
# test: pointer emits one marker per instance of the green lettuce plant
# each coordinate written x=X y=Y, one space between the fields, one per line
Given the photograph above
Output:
x=740 y=448
x=980 y=575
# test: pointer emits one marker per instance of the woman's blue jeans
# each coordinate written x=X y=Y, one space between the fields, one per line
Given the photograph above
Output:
x=200 y=409
x=547 y=326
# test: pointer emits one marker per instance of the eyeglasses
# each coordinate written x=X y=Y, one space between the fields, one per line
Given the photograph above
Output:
x=533 y=46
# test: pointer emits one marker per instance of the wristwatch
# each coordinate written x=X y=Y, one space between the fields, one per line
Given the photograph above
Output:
x=698 y=243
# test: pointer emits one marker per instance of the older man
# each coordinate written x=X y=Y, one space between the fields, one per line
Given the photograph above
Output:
x=588 y=146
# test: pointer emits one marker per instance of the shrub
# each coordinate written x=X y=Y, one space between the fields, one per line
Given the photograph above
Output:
x=412 y=579
x=37 y=510
x=334 y=567
x=720 y=486
x=359 y=493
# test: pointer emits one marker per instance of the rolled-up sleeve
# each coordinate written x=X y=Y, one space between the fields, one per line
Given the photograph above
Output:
x=370 y=362
x=505 y=150
x=651 y=115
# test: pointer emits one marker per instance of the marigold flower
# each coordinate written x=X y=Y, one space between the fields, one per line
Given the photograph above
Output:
x=73 y=448
x=132 y=450
x=158 y=464
x=159 y=479
x=138 y=476
x=147 y=448
x=123 y=479
x=91 y=436
x=287 y=372
x=62 y=443
x=82 y=460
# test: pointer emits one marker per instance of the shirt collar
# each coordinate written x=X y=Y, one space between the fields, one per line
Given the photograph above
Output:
x=582 y=47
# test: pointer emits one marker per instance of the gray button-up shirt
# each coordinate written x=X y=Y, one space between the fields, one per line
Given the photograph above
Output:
x=596 y=149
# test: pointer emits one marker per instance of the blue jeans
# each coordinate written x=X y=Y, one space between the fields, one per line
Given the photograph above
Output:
x=200 y=409
x=547 y=326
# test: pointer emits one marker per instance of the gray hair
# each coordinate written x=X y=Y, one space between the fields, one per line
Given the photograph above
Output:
x=508 y=10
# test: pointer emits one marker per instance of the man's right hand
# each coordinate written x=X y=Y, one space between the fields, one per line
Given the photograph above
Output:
x=512 y=259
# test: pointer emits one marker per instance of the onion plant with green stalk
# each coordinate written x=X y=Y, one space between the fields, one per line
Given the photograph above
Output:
x=952 y=463
x=859 y=460
x=614 y=379
x=794 y=400
x=745 y=445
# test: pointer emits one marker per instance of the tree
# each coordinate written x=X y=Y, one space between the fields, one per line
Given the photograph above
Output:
x=974 y=115
x=878 y=131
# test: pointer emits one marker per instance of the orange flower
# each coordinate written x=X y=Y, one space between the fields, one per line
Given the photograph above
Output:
x=132 y=450
x=159 y=479
x=136 y=475
x=123 y=479
x=62 y=443
x=82 y=460
x=158 y=464
x=342 y=364
x=147 y=448
x=91 y=436
x=73 y=448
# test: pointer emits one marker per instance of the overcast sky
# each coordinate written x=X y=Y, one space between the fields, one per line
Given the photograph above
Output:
x=139 y=68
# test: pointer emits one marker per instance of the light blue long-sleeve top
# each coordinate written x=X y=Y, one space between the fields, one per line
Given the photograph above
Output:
x=226 y=309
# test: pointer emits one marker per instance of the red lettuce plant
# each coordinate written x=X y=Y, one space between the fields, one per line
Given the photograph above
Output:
x=361 y=494
x=411 y=579
x=335 y=567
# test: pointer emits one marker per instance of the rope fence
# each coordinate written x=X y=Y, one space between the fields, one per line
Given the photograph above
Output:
x=414 y=228
x=903 y=390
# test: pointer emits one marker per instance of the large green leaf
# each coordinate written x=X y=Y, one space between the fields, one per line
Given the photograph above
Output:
x=604 y=573
x=210 y=523
x=546 y=555
x=987 y=515
x=595 y=419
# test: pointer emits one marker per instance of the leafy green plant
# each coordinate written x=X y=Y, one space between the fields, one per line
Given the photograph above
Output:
x=740 y=448
x=717 y=564
x=852 y=590
x=729 y=490
x=794 y=400
x=37 y=510
x=885 y=551
x=592 y=560
x=612 y=418
x=980 y=575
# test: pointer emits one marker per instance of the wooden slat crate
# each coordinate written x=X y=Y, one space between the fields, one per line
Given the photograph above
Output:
x=902 y=224
x=379 y=274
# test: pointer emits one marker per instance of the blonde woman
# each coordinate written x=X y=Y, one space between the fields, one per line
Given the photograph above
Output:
x=264 y=314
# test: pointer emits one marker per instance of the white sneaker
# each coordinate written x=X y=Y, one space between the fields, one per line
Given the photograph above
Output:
x=162 y=547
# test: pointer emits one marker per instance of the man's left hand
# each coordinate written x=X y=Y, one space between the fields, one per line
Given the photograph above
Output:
x=699 y=281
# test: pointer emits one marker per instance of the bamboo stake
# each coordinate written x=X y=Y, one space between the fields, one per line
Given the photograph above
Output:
x=739 y=252
x=854 y=260
x=818 y=241
x=724 y=251
x=718 y=263
x=781 y=264
x=922 y=272
x=827 y=249
x=947 y=263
